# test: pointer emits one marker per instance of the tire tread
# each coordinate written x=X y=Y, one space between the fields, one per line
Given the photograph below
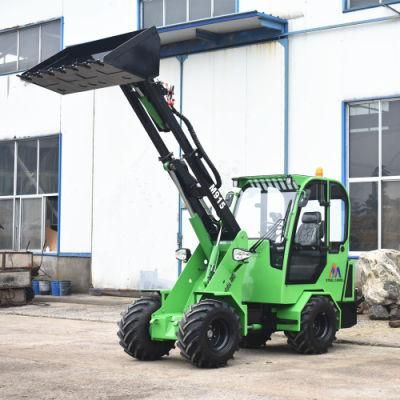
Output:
x=301 y=341
x=189 y=340
x=133 y=333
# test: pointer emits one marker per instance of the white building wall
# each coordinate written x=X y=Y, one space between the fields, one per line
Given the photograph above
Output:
x=84 y=21
x=22 y=12
x=27 y=110
x=76 y=173
x=329 y=67
x=135 y=204
x=240 y=127
x=95 y=19
x=235 y=99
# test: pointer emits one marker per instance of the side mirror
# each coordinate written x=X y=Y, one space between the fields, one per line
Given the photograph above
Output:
x=183 y=255
x=229 y=198
x=304 y=197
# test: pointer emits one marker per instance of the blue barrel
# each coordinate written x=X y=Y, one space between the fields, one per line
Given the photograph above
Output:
x=55 y=288
x=35 y=287
x=65 y=288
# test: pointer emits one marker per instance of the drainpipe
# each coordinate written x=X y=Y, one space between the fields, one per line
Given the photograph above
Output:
x=179 y=237
x=285 y=43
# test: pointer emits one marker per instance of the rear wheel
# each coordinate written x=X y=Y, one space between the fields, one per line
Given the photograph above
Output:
x=318 y=327
x=134 y=335
x=209 y=334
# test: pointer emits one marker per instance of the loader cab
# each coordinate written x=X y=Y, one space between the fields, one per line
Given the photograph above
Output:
x=306 y=216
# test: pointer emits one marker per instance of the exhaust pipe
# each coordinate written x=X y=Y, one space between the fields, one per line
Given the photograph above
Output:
x=118 y=60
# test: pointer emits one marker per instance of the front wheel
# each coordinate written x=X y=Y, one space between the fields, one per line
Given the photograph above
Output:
x=134 y=335
x=209 y=334
x=318 y=327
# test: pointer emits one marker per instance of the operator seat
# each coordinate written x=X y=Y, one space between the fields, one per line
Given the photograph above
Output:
x=311 y=231
x=308 y=258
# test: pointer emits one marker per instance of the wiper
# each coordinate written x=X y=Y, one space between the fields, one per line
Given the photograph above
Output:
x=273 y=228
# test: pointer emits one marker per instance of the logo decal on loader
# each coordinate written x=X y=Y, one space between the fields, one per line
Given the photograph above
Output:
x=217 y=196
x=335 y=274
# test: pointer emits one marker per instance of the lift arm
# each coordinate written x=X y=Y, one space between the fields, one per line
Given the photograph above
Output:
x=148 y=101
x=132 y=61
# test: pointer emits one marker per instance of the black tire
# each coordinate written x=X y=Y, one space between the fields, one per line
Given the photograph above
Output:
x=29 y=294
x=133 y=333
x=318 y=327
x=209 y=334
x=255 y=340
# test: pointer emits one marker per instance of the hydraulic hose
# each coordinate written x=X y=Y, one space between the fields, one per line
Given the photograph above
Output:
x=189 y=126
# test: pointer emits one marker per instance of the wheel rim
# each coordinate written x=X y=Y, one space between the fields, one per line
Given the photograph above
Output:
x=321 y=325
x=218 y=334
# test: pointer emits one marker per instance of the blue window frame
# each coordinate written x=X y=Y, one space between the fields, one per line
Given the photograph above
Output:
x=356 y=5
x=372 y=171
x=29 y=193
x=22 y=48
x=171 y=12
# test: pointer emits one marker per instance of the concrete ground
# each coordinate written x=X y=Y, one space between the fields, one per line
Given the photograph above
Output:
x=70 y=351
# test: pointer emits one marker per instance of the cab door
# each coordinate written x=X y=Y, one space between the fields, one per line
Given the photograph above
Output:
x=308 y=249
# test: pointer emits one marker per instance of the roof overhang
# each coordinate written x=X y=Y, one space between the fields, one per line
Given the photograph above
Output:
x=220 y=32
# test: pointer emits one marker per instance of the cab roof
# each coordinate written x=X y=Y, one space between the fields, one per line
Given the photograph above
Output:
x=283 y=182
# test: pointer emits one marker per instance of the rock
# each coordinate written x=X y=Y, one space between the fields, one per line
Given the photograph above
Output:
x=394 y=312
x=394 y=324
x=380 y=278
x=392 y=289
x=378 y=312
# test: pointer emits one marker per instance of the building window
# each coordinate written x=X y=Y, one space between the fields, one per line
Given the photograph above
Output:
x=21 y=49
x=169 y=12
x=374 y=174
x=29 y=194
x=351 y=5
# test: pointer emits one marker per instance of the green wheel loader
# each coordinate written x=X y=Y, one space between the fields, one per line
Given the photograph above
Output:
x=272 y=254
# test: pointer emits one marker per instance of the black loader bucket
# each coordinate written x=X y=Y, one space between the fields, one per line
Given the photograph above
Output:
x=117 y=60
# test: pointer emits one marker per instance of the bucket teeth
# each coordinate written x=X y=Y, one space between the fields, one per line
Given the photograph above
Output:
x=118 y=60
x=73 y=67
x=84 y=64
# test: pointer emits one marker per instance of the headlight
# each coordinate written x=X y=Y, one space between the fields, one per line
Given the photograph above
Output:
x=240 y=254
x=183 y=254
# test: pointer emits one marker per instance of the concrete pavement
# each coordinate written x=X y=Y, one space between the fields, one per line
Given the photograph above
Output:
x=108 y=309
x=70 y=351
